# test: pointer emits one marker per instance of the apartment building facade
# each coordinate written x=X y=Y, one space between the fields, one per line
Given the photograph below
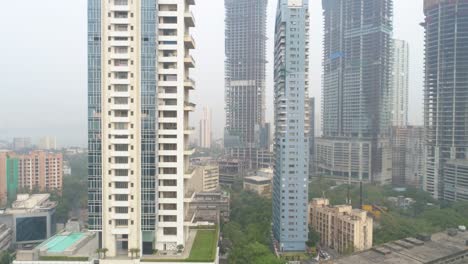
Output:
x=400 y=83
x=341 y=227
x=40 y=170
x=245 y=65
x=138 y=114
x=357 y=65
x=205 y=137
x=291 y=147
x=37 y=170
x=445 y=89
x=407 y=156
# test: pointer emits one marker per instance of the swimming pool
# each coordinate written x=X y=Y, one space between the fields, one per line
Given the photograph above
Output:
x=60 y=243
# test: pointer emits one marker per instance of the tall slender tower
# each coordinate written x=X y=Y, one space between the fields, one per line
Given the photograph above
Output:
x=138 y=111
x=446 y=96
x=291 y=171
x=205 y=128
x=311 y=136
x=356 y=89
x=245 y=71
x=400 y=84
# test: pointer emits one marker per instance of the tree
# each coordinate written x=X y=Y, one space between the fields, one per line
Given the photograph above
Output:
x=99 y=251
x=104 y=252
x=5 y=257
x=134 y=252
x=313 y=237
x=180 y=248
x=247 y=236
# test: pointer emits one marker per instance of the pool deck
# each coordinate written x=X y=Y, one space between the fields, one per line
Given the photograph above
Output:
x=61 y=242
x=69 y=244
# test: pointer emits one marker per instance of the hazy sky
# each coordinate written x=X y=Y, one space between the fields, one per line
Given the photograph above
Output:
x=43 y=64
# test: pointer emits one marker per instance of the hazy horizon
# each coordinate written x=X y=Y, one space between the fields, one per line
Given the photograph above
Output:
x=44 y=66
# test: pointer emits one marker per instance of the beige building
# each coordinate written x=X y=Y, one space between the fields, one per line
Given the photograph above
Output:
x=205 y=179
x=341 y=227
x=205 y=128
x=259 y=185
x=48 y=143
x=139 y=194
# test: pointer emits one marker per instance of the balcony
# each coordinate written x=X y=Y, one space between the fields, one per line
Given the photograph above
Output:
x=120 y=216
x=189 y=152
x=120 y=191
x=190 y=216
x=189 y=42
x=189 y=130
x=120 y=231
x=115 y=7
x=189 y=195
x=189 y=106
x=189 y=61
x=189 y=84
x=189 y=173
x=189 y=20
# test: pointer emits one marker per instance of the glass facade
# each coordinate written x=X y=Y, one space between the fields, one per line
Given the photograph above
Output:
x=94 y=116
x=245 y=38
x=445 y=93
x=148 y=114
x=31 y=229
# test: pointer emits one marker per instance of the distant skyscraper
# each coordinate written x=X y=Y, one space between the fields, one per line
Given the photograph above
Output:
x=291 y=172
x=245 y=70
x=311 y=136
x=265 y=136
x=21 y=143
x=48 y=143
x=356 y=89
x=445 y=94
x=138 y=112
x=400 y=84
x=407 y=155
x=205 y=128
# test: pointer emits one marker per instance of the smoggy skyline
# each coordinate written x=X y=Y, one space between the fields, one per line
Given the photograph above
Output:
x=44 y=65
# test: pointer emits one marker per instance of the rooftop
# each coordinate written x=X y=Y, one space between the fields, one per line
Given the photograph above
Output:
x=26 y=203
x=257 y=180
x=413 y=251
x=203 y=249
x=65 y=245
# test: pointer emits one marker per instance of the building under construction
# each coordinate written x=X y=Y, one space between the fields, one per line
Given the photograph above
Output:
x=356 y=90
x=446 y=91
x=245 y=71
x=407 y=155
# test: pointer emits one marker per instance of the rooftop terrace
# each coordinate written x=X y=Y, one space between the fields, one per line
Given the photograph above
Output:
x=441 y=247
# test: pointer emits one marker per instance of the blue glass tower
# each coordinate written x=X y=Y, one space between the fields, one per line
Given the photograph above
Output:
x=290 y=182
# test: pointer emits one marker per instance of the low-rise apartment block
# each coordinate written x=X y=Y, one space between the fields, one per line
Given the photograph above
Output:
x=259 y=185
x=37 y=170
x=40 y=169
x=207 y=178
x=341 y=227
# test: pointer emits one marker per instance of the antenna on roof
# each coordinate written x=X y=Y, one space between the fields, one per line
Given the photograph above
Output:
x=360 y=195
x=348 y=199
